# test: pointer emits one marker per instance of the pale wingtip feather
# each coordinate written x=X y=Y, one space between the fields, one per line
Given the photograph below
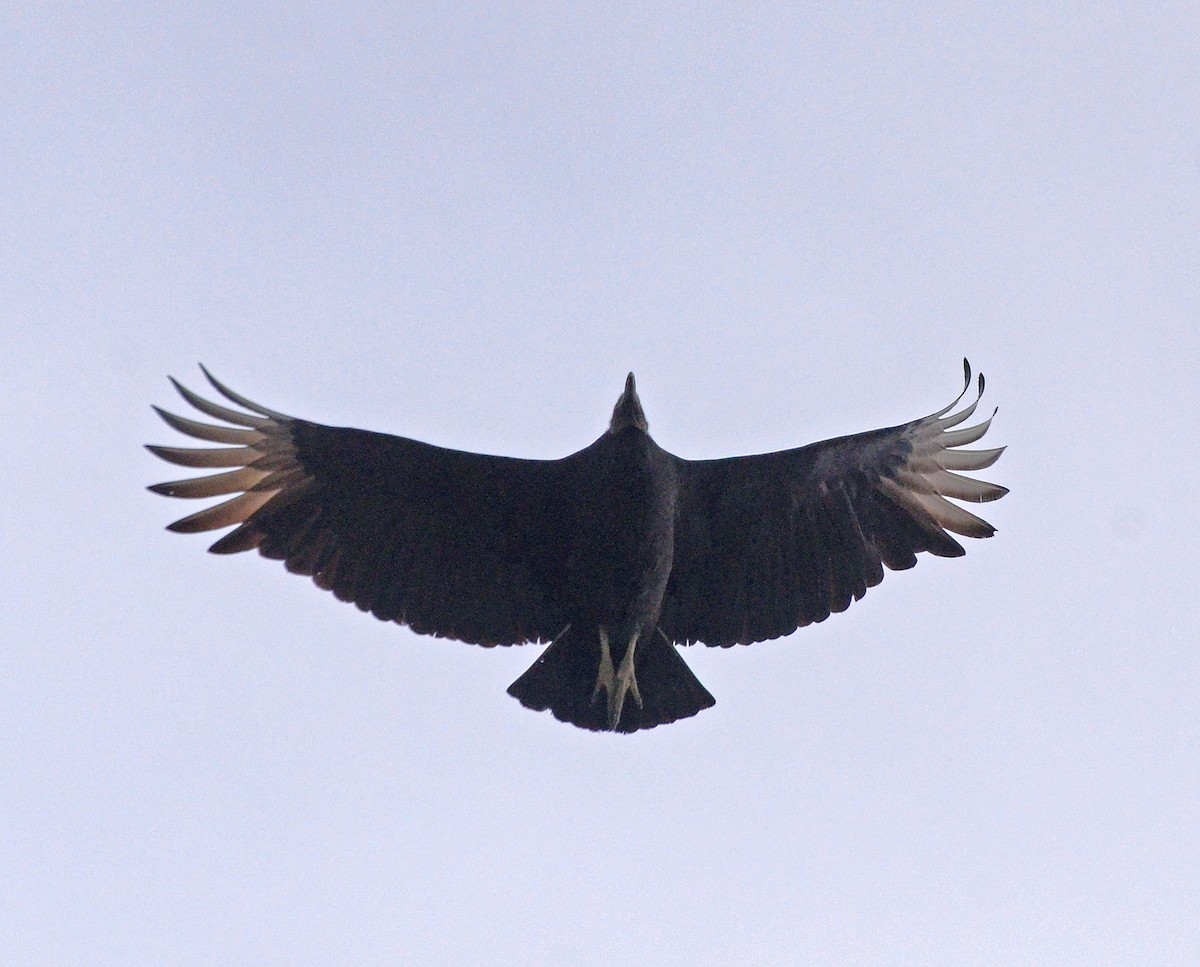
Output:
x=216 y=411
x=954 y=402
x=238 y=398
x=209 y=431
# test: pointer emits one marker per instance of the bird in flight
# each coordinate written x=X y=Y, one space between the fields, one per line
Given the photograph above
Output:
x=615 y=554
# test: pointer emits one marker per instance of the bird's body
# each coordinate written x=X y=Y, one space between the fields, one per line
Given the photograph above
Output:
x=614 y=554
x=621 y=548
x=622 y=541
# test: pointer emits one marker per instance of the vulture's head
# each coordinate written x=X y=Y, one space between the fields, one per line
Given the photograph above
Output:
x=628 y=411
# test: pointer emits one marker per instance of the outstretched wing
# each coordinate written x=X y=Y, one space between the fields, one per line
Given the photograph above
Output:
x=768 y=543
x=454 y=544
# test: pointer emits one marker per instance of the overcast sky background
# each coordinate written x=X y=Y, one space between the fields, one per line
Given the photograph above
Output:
x=465 y=225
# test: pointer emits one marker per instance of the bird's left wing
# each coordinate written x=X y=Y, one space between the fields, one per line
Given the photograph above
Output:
x=768 y=543
x=455 y=544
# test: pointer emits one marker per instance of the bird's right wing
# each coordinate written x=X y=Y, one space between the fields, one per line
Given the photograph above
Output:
x=460 y=545
x=768 y=543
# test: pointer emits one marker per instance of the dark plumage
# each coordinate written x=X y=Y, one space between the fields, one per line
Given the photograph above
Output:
x=615 y=554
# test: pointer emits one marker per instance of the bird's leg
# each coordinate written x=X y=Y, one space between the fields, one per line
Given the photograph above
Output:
x=626 y=682
x=604 y=677
x=619 y=684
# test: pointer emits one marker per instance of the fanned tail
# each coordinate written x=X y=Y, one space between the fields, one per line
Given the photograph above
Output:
x=563 y=680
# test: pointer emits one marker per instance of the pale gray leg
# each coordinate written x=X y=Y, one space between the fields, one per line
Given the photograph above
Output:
x=626 y=682
x=604 y=677
x=616 y=686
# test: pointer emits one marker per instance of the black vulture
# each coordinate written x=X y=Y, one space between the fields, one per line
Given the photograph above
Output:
x=615 y=554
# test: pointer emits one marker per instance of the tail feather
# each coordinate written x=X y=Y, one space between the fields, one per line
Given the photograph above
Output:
x=563 y=680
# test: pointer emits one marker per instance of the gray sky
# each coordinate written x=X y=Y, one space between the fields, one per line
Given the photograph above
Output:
x=465 y=225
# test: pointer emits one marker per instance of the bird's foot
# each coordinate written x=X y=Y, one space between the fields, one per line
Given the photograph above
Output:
x=604 y=677
x=618 y=685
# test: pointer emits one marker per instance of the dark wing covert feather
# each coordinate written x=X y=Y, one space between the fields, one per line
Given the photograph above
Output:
x=768 y=543
x=450 y=543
